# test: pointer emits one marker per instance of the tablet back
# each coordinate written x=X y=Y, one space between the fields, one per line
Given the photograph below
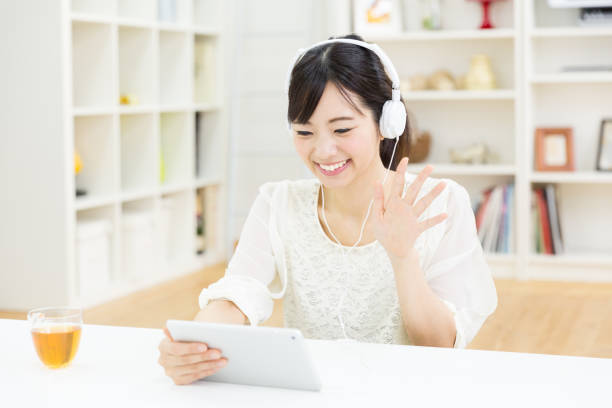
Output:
x=265 y=356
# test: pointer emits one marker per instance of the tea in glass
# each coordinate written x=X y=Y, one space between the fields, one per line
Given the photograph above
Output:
x=56 y=333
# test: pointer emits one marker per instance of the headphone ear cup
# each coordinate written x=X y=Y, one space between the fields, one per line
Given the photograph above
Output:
x=392 y=119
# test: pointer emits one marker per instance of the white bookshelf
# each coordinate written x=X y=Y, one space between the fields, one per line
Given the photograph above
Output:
x=553 y=39
x=528 y=48
x=175 y=70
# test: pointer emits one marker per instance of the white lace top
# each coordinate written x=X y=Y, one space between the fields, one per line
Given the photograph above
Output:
x=283 y=251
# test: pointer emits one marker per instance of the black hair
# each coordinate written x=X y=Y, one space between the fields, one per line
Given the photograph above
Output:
x=349 y=67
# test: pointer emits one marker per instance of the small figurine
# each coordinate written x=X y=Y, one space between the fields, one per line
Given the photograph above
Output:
x=477 y=153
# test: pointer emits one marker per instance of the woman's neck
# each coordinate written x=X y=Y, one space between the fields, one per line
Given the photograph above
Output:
x=353 y=200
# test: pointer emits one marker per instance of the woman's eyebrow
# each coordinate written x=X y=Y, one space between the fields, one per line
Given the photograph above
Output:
x=335 y=119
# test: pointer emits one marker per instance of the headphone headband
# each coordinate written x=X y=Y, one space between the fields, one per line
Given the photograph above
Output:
x=386 y=61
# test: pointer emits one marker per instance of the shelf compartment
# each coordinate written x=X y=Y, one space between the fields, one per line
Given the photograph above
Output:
x=106 y=8
x=465 y=124
x=138 y=240
x=207 y=228
x=206 y=69
x=207 y=13
x=139 y=153
x=92 y=65
x=585 y=223
x=175 y=56
x=551 y=54
x=208 y=146
x=557 y=106
x=144 y=10
x=175 y=229
x=94 y=142
x=96 y=240
x=177 y=148
x=455 y=58
x=173 y=14
x=137 y=75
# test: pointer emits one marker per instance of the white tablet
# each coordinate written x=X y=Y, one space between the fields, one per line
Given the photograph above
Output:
x=264 y=356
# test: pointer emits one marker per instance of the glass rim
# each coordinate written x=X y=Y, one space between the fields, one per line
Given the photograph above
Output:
x=72 y=312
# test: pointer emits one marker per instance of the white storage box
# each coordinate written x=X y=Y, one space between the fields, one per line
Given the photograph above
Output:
x=166 y=235
x=137 y=243
x=93 y=256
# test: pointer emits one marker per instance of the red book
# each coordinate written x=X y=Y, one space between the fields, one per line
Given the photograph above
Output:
x=546 y=234
x=483 y=206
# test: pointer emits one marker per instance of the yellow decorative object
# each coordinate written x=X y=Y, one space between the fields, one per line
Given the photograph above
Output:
x=78 y=164
x=441 y=80
x=162 y=168
x=128 y=99
x=480 y=75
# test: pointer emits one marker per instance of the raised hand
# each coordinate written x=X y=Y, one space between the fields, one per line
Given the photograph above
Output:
x=396 y=224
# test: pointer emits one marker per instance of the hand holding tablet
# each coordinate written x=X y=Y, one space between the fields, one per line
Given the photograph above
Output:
x=264 y=356
x=186 y=362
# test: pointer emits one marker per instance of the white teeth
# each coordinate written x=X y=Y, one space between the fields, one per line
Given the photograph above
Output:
x=333 y=167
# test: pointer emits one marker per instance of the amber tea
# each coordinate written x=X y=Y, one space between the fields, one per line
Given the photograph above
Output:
x=56 y=345
x=56 y=333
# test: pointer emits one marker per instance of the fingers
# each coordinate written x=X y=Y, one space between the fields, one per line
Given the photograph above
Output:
x=178 y=348
x=433 y=221
x=167 y=333
x=415 y=186
x=378 y=207
x=188 y=374
x=400 y=179
x=187 y=362
x=172 y=360
x=425 y=201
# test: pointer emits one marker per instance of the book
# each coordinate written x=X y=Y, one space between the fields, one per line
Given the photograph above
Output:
x=555 y=224
x=535 y=225
x=491 y=223
x=545 y=221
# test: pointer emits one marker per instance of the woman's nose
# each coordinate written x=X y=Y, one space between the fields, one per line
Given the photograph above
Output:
x=326 y=147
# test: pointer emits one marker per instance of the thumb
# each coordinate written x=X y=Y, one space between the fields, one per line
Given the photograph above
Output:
x=167 y=333
x=379 y=201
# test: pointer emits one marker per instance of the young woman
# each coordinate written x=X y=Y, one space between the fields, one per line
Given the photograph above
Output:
x=364 y=250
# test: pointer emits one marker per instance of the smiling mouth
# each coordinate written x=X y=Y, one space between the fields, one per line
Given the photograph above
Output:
x=333 y=169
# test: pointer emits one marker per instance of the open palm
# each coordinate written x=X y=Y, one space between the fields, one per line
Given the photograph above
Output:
x=396 y=219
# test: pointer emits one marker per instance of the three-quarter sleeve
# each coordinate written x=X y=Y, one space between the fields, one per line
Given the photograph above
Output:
x=255 y=262
x=458 y=272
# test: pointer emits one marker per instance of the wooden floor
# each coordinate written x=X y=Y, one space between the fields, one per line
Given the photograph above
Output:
x=534 y=317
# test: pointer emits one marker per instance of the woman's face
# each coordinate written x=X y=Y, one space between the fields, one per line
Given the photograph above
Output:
x=338 y=143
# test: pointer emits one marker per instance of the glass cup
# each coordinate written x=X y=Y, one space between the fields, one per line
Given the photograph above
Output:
x=56 y=332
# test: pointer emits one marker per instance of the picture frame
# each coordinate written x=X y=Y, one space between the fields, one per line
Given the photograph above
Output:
x=374 y=17
x=604 y=147
x=554 y=149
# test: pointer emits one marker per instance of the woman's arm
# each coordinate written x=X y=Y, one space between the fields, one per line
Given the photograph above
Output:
x=427 y=320
x=221 y=311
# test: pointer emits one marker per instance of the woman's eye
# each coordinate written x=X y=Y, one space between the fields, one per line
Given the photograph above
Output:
x=342 y=130
x=303 y=133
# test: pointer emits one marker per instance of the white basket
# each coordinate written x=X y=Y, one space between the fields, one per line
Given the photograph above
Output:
x=93 y=256
x=137 y=245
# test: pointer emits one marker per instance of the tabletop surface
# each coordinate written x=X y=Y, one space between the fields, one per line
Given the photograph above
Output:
x=117 y=366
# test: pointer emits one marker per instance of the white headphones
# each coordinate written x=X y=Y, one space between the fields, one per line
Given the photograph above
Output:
x=392 y=124
x=393 y=118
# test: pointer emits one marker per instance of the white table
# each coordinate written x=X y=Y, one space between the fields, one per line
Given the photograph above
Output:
x=117 y=367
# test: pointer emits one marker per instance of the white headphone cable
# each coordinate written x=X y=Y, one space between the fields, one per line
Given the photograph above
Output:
x=358 y=240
